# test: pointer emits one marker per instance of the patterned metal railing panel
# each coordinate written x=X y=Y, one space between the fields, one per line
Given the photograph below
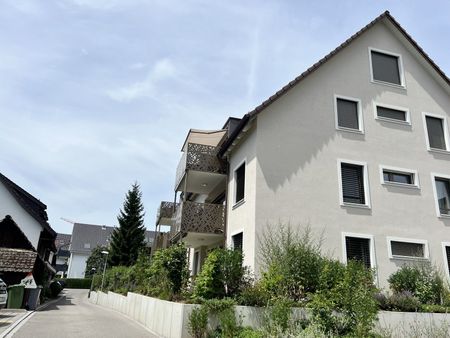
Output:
x=199 y=217
x=199 y=157
x=166 y=210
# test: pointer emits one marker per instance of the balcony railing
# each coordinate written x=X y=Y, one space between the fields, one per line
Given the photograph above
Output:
x=198 y=217
x=199 y=157
x=165 y=212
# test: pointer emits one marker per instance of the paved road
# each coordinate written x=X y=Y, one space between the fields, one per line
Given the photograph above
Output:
x=74 y=316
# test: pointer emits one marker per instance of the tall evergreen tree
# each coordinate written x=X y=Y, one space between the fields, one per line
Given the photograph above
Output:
x=129 y=238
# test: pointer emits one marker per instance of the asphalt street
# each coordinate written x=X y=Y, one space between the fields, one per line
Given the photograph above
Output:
x=74 y=316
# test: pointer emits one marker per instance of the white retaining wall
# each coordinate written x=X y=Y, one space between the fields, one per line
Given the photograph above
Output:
x=170 y=319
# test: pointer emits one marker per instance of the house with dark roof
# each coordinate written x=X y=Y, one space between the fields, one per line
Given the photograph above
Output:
x=85 y=238
x=357 y=148
x=26 y=237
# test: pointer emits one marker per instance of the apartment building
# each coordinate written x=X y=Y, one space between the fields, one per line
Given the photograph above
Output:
x=357 y=148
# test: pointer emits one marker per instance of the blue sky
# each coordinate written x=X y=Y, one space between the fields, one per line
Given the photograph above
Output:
x=95 y=94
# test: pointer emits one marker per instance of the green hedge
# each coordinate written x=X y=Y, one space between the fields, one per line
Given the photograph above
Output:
x=77 y=283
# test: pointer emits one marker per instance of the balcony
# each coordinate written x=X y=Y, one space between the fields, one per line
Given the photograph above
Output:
x=165 y=213
x=207 y=169
x=198 y=223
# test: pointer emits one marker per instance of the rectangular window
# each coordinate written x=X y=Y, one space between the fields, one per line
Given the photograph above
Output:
x=358 y=249
x=443 y=195
x=237 y=241
x=392 y=114
x=352 y=178
x=399 y=176
x=446 y=247
x=436 y=132
x=239 y=176
x=348 y=114
x=195 y=263
x=386 y=67
x=407 y=248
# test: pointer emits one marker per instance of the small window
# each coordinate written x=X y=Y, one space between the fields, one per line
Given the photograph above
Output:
x=87 y=245
x=237 y=241
x=358 y=249
x=398 y=176
x=409 y=249
x=446 y=247
x=392 y=114
x=195 y=263
x=443 y=195
x=386 y=67
x=348 y=114
x=436 y=132
x=239 y=176
x=352 y=179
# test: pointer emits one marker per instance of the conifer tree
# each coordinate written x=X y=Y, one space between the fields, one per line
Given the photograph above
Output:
x=128 y=239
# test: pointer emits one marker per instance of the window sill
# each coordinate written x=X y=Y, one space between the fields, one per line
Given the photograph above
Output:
x=409 y=258
x=401 y=185
x=385 y=119
x=439 y=151
x=446 y=216
x=378 y=82
x=350 y=130
x=354 y=205
x=237 y=204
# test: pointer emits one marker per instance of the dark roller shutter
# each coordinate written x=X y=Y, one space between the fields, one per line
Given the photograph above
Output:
x=237 y=241
x=385 y=68
x=347 y=114
x=358 y=249
x=392 y=114
x=436 y=136
x=240 y=183
x=352 y=183
x=447 y=251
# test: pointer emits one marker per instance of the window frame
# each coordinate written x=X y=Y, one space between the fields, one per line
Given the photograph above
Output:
x=414 y=185
x=444 y=252
x=344 y=235
x=360 y=130
x=238 y=166
x=424 y=242
x=436 y=203
x=237 y=232
x=402 y=84
x=367 y=205
x=407 y=122
x=445 y=129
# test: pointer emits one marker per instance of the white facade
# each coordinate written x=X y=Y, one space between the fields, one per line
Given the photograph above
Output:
x=293 y=150
x=77 y=265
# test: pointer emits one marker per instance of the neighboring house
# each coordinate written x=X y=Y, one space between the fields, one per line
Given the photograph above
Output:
x=357 y=147
x=85 y=238
x=61 y=259
x=26 y=238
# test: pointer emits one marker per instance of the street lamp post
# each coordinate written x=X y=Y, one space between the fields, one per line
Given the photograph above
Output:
x=104 y=267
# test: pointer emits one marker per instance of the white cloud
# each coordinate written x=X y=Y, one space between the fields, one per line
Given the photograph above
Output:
x=162 y=70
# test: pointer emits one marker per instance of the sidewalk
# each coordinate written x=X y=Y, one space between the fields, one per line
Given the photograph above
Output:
x=10 y=316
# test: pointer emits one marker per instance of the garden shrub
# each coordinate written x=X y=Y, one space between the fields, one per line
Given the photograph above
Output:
x=277 y=316
x=348 y=307
x=253 y=295
x=222 y=275
x=198 y=322
x=77 y=283
x=291 y=261
x=403 y=301
x=422 y=280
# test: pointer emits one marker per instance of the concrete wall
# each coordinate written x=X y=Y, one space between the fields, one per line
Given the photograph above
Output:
x=77 y=265
x=170 y=320
x=294 y=152
x=29 y=226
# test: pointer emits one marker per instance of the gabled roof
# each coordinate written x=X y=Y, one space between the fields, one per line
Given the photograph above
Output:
x=11 y=236
x=386 y=15
x=31 y=204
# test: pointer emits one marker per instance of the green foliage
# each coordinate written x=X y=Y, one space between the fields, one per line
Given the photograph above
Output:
x=128 y=240
x=198 y=322
x=248 y=332
x=347 y=305
x=253 y=295
x=95 y=261
x=223 y=311
x=222 y=275
x=277 y=317
x=292 y=262
x=77 y=283
x=423 y=281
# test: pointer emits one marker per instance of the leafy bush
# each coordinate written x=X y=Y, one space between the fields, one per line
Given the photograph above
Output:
x=198 y=322
x=277 y=316
x=77 y=283
x=292 y=262
x=222 y=275
x=403 y=301
x=347 y=306
x=253 y=295
x=423 y=281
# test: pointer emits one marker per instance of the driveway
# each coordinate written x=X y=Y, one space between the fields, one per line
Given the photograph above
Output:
x=74 y=316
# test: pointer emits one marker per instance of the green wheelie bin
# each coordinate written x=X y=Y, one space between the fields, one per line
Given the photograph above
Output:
x=15 y=296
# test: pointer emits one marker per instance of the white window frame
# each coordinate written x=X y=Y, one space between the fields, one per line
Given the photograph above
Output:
x=426 y=253
x=344 y=235
x=235 y=233
x=240 y=202
x=360 y=114
x=414 y=185
x=366 y=184
x=444 y=252
x=389 y=106
x=444 y=127
x=436 y=203
x=400 y=68
x=196 y=269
